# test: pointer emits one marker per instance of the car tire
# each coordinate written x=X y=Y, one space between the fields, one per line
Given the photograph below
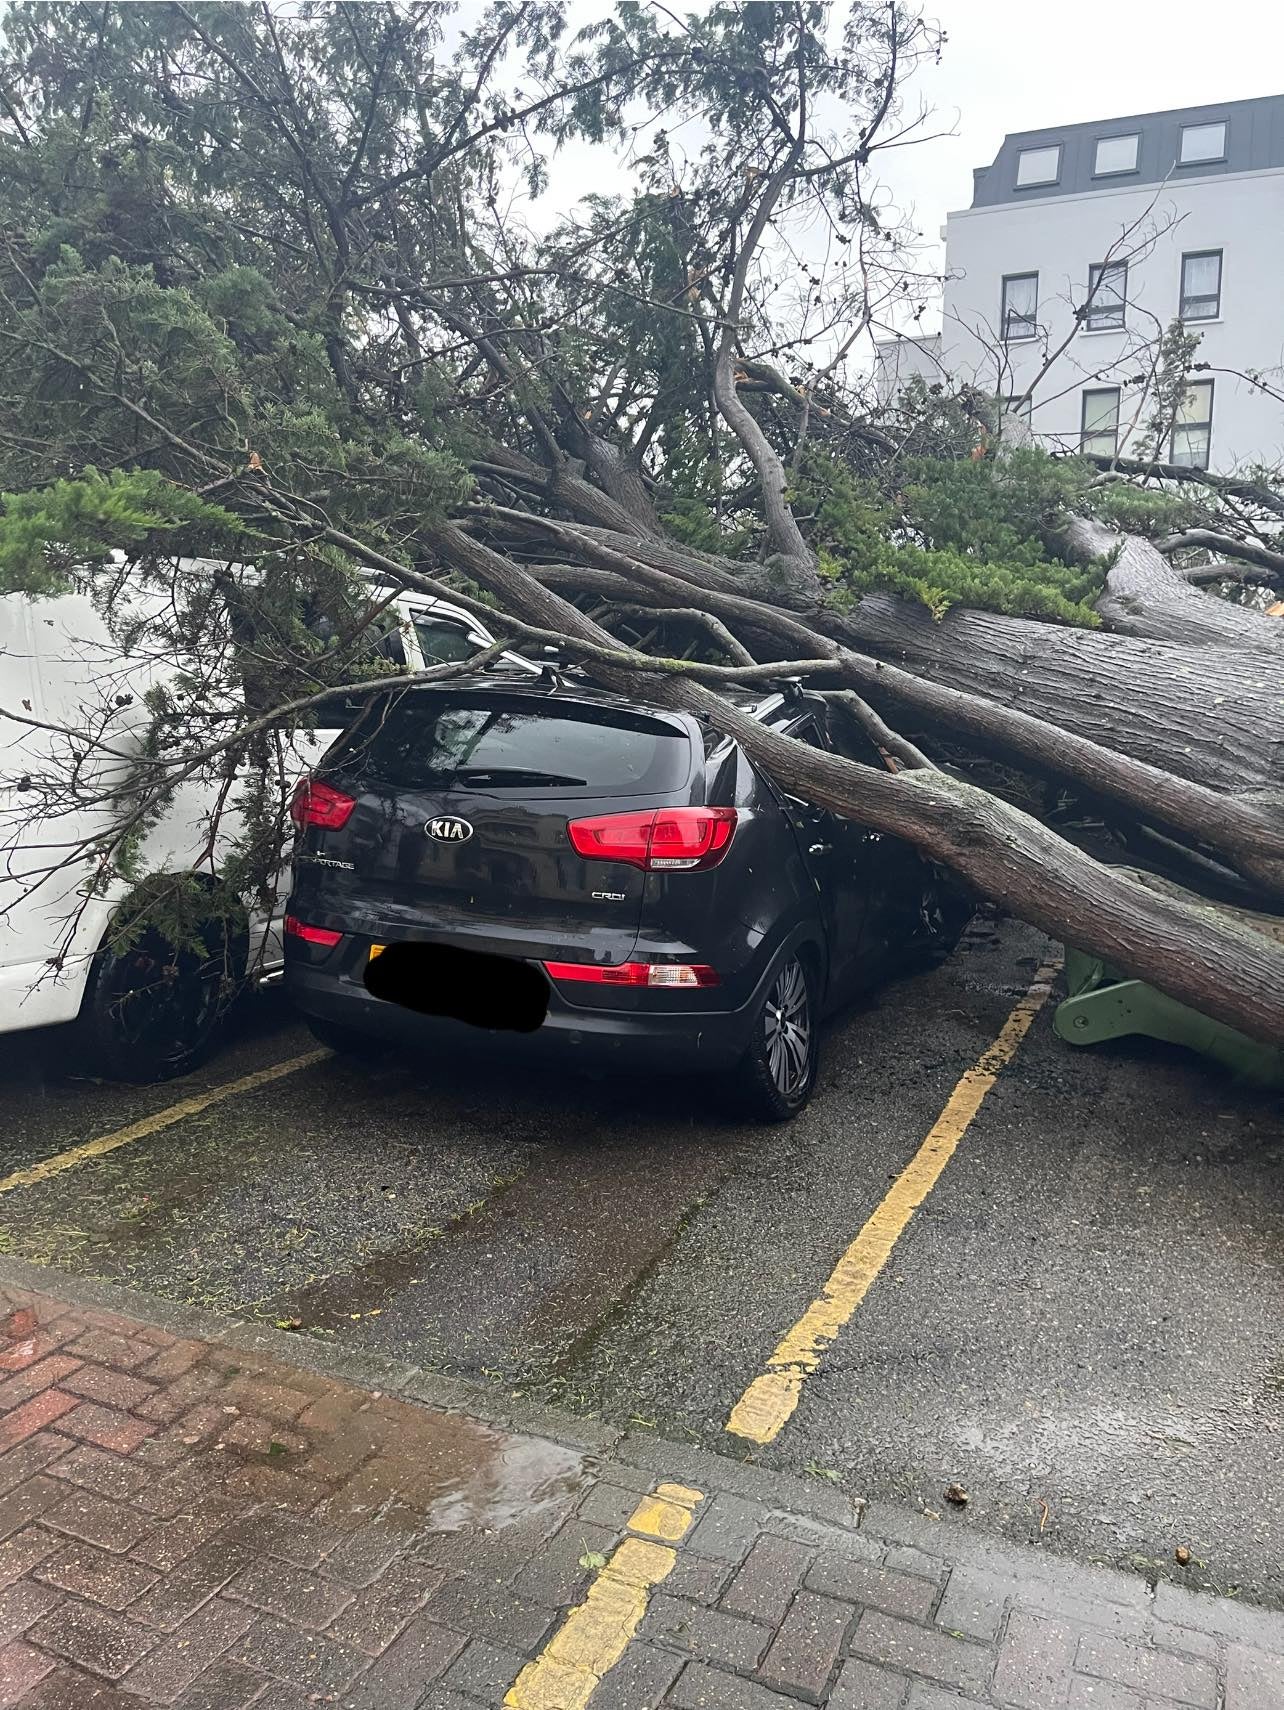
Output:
x=777 y=1074
x=346 y=1041
x=152 y=1011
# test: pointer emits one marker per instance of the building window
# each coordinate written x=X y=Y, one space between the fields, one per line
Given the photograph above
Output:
x=1099 y=431
x=1202 y=142
x=1016 y=406
x=1107 y=296
x=1201 y=285
x=1020 y=306
x=1193 y=429
x=1116 y=154
x=1038 y=166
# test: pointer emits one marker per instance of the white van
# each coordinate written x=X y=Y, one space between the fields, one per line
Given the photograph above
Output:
x=146 y=1009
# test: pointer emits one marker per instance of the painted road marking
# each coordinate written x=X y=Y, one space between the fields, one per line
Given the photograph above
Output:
x=770 y=1400
x=153 y=1124
x=596 y=1633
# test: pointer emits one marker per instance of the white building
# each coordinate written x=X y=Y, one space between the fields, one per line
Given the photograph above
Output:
x=1102 y=234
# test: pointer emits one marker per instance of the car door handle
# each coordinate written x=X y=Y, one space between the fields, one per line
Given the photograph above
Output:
x=820 y=849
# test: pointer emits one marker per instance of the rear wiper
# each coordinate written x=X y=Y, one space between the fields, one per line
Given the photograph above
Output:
x=513 y=775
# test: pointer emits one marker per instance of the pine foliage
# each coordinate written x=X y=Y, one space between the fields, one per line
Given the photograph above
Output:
x=965 y=532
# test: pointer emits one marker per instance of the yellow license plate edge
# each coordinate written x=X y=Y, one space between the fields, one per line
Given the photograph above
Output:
x=376 y=950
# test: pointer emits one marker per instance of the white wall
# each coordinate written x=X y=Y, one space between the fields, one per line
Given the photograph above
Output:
x=898 y=360
x=1241 y=214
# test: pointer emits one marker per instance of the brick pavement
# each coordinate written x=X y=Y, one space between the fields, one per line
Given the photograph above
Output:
x=211 y=1518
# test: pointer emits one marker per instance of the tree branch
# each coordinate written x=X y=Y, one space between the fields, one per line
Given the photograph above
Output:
x=1249 y=551
x=714 y=626
x=1232 y=486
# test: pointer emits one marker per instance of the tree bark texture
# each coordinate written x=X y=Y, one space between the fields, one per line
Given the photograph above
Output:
x=1210 y=714
x=1008 y=856
x=1145 y=596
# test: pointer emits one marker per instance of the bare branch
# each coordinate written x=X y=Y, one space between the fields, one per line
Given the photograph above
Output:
x=1247 y=551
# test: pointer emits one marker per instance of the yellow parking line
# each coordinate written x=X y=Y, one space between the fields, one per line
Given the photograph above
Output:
x=596 y=1633
x=770 y=1400
x=153 y=1124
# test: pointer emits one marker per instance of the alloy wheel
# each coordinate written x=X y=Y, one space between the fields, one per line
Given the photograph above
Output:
x=788 y=1030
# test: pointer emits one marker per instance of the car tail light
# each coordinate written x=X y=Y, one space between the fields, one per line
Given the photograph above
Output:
x=319 y=804
x=653 y=974
x=323 y=936
x=663 y=840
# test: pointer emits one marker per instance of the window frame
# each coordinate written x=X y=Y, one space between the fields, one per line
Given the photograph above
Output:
x=1133 y=137
x=1207 y=387
x=1008 y=410
x=806 y=727
x=1183 y=296
x=1092 y=312
x=1056 y=149
x=1202 y=159
x=372 y=747
x=836 y=735
x=1114 y=392
x=427 y=622
x=1006 y=315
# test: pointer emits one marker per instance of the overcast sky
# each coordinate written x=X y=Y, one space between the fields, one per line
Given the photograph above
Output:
x=1021 y=65
x=1011 y=65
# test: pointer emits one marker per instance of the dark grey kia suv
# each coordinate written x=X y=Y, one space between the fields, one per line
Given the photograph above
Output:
x=538 y=864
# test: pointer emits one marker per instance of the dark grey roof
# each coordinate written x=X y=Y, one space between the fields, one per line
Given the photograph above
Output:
x=1254 y=139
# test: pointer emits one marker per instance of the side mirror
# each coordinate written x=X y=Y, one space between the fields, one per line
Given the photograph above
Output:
x=393 y=646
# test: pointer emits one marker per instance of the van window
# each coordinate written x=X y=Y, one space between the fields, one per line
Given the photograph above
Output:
x=426 y=740
x=442 y=641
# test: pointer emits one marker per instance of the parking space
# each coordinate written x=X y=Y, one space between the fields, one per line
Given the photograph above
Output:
x=1078 y=1322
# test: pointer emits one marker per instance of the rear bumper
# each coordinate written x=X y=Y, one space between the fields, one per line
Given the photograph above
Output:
x=715 y=1039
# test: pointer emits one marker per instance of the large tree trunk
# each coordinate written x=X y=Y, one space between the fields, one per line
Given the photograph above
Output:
x=1197 y=955
x=1245 y=830
x=1207 y=713
x=1200 y=955
x=1210 y=714
x=1145 y=596
x=619 y=476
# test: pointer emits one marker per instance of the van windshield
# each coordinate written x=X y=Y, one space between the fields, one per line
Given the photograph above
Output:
x=423 y=740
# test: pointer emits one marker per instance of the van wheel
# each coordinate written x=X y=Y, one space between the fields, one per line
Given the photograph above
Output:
x=152 y=1011
x=778 y=1073
x=346 y=1041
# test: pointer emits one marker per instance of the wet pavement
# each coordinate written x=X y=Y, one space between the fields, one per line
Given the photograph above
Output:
x=201 y=1513
x=1080 y=1326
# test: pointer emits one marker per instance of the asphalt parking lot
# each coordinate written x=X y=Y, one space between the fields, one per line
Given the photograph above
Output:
x=1079 y=1324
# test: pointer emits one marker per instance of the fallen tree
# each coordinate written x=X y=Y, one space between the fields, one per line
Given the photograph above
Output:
x=278 y=314
x=1211 y=717
x=1005 y=853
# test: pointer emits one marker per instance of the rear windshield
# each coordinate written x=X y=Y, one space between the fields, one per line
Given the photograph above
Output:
x=422 y=740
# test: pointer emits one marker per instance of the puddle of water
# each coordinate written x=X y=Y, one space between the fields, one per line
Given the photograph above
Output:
x=519 y=1478
x=432 y=1472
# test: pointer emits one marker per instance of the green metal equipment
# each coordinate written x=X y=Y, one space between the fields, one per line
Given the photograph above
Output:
x=1105 y=1004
